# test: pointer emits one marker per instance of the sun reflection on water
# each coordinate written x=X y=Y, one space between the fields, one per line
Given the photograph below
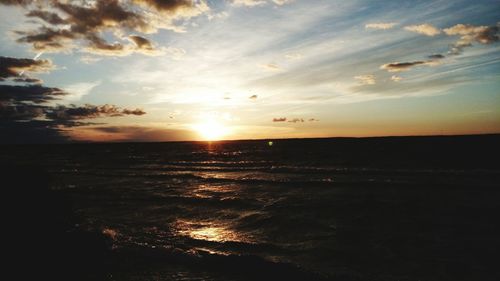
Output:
x=219 y=191
x=209 y=231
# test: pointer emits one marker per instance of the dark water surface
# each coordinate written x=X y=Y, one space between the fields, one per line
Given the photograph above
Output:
x=325 y=209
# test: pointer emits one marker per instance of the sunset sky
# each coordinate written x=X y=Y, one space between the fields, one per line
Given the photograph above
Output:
x=160 y=70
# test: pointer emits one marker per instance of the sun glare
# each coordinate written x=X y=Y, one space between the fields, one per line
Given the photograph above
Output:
x=211 y=130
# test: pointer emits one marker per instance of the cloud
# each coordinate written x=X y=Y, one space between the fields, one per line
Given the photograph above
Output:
x=281 y=2
x=26 y=111
x=481 y=34
x=294 y=120
x=29 y=93
x=270 y=67
x=177 y=8
x=220 y=15
x=249 y=3
x=396 y=78
x=12 y=67
x=139 y=45
x=48 y=39
x=470 y=34
x=88 y=111
x=27 y=80
x=173 y=53
x=381 y=25
x=434 y=60
x=401 y=66
x=167 y=5
x=17 y=2
x=136 y=111
x=425 y=29
x=458 y=48
x=252 y=3
x=85 y=19
x=79 y=90
x=436 y=57
x=293 y=56
x=20 y=112
x=48 y=17
x=146 y=47
x=99 y=46
x=66 y=24
x=89 y=59
x=141 y=42
x=366 y=79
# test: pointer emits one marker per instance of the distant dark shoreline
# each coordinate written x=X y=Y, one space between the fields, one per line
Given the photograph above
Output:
x=470 y=152
x=413 y=137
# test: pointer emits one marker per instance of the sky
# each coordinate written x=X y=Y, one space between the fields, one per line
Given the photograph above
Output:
x=171 y=70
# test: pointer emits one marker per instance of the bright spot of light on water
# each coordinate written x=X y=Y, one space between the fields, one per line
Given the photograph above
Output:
x=208 y=231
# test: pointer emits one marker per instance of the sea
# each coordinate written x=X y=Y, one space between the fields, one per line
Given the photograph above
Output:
x=395 y=208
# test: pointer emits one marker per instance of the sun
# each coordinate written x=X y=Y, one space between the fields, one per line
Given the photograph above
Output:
x=211 y=130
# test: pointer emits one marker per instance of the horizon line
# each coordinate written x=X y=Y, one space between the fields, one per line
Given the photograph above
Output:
x=258 y=139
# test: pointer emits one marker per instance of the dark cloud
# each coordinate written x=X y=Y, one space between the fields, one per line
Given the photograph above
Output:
x=167 y=5
x=100 y=46
x=25 y=122
x=27 y=113
x=29 y=93
x=136 y=111
x=46 y=16
x=12 y=67
x=87 y=111
x=436 y=57
x=488 y=35
x=65 y=22
x=105 y=13
x=401 y=66
x=48 y=39
x=470 y=34
x=142 y=43
x=28 y=80
x=17 y=2
x=9 y=111
x=85 y=23
x=294 y=120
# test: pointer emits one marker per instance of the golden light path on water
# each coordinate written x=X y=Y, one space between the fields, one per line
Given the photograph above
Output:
x=209 y=231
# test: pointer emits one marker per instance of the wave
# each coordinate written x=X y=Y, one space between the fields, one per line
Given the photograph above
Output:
x=232 y=266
